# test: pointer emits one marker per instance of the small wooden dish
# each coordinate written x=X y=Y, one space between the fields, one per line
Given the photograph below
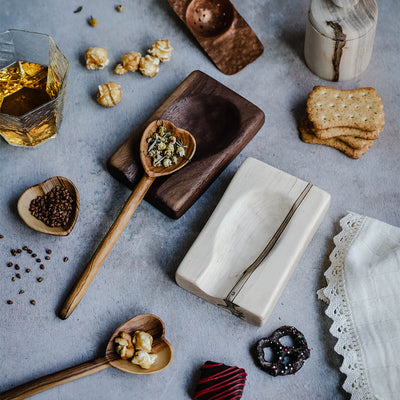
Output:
x=221 y=32
x=40 y=190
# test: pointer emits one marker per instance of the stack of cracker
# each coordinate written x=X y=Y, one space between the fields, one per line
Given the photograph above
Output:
x=348 y=120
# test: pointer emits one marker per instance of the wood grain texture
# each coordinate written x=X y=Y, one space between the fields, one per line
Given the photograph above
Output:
x=222 y=123
x=150 y=173
x=155 y=327
x=58 y=378
x=221 y=31
x=339 y=39
x=106 y=245
x=40 y=190
x=250 y=213
x=143 y=322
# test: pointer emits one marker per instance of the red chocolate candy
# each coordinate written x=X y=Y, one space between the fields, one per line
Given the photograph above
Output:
x=219 y=381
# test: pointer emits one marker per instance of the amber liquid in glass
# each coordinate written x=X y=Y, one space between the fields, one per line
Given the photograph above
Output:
x=25 y=87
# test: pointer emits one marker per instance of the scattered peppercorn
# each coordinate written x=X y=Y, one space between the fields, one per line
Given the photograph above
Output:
x=18 y=276
x=120 y=8
x=29 y=251
x=41 y=266
x=1 y=236
x=65 y=259
x=47 y=258
x=28 y=270
x=14 y=252
x=48 y=251
x=93 y=21
x=10 y=264
x=34 y=255
x=33 y=302
x=17 y=267
x=38 y=260
x=19 y=251
x=40 y=279
x=10 y=302
x=13 y=279
x=21 y=291
x=25 y=248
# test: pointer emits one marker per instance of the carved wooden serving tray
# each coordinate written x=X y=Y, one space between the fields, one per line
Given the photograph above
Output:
x=221 y=121
x=221 y=32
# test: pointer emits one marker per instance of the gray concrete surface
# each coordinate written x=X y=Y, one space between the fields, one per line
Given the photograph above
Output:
x=138 y=275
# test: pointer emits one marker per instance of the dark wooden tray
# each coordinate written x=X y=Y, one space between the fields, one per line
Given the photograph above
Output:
x=222 y=123
x=221 y=31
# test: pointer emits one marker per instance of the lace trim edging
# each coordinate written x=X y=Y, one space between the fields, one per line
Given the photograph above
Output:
x=338 y=310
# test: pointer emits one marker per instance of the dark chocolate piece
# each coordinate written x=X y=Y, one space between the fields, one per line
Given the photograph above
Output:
x=286 y=360
x=219 y=381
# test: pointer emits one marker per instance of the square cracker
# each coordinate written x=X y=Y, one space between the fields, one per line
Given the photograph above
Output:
x=357 y=108
x=333 y=142
x=337 y=131
x=347 y=134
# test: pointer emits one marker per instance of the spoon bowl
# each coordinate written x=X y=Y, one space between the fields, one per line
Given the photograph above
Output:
x=144 y=322
x=40 y=190
x=184 y=136
x=155 y=327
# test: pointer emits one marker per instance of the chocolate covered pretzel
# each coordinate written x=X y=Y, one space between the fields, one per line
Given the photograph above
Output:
x=286 y=360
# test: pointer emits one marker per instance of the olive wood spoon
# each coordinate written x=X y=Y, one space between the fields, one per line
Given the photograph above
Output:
x=143 y=322
x=150 y=173
x=41 y=189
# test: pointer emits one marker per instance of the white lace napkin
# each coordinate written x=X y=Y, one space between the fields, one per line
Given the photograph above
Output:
x=363 y=292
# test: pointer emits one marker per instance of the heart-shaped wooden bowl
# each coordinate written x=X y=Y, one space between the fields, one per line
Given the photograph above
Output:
x=155 y=327
x=183 y=135
x=41 y=189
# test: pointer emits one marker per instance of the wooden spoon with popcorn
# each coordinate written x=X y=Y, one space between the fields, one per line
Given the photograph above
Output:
x=161 y=350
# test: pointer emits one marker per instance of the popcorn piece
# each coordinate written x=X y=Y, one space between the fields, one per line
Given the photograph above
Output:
x=148 y=66
x=130 y=61
x=109 y=94
x=96 y=58
x=142 y=341
x=120 y=70
x=143 y=359
x=161 y=49
x=124 y=346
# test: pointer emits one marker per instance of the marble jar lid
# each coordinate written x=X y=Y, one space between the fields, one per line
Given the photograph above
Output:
x=355 y=18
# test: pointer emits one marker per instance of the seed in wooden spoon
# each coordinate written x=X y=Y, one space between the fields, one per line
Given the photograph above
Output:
x=164 y=148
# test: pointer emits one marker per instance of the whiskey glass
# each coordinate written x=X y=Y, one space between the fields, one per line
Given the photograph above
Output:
x=33 y=80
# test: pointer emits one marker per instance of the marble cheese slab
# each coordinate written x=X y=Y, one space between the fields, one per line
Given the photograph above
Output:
x=259 y=201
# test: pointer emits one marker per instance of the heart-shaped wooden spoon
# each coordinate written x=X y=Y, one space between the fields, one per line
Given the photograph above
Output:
x=143 y=322
x=41 y=189
x=150 y=173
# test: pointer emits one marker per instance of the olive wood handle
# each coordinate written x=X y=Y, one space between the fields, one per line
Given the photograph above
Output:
x=58 y=378
x=105 y=247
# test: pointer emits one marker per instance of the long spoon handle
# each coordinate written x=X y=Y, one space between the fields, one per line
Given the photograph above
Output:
x=105 y=247
x=58 y=378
